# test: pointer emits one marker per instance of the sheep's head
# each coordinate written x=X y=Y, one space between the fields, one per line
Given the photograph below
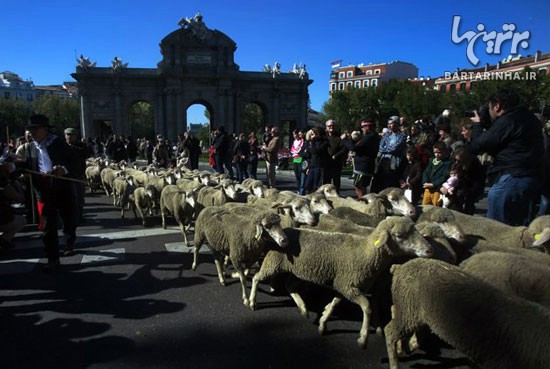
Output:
x=318 y=203
x=542 y=240
x=398 y=202
x=258 y=189
x=400 y=236
x=298 y=209
x=270 y=224
x=150 y=190
x=229 y=189
x=329 y=190
x=446 y=220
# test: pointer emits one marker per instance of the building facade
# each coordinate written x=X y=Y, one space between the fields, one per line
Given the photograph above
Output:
x=371 y=75
x=14 y=87
x=509 y=69
x=197 y=67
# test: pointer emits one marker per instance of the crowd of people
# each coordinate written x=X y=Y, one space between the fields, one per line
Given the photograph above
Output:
x=503 y=146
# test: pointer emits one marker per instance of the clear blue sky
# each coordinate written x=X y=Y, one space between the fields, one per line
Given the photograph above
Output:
x=40 y=39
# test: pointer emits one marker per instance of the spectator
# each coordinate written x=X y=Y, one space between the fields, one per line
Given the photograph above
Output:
x=11 y=192
x=365 y=148
x=240 y=157
x=544 y=208
x=411 y=178
x=131 y=149
x=445 y=135
x=271 y=150
x=223 y=154
x=296 y=151
x=449 y=189
x=472 y=180
x=78 y=189
x=318 y=158
x=516 y=144
x=253 y=156
x=192 y=145
x=337 y=154
x=435 y=174
x=390 y=157
x=161 y=157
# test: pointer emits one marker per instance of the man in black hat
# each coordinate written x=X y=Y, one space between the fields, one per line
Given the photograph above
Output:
x=52 y=159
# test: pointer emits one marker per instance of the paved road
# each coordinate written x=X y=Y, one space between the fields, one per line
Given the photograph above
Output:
x=128 y=299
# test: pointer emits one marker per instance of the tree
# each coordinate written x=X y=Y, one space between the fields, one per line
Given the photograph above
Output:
x=62 y=112
x=14 y=116
x=253 y=118
x=141 y=120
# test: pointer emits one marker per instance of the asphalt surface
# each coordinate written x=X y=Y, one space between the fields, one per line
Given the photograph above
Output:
x=129 y=299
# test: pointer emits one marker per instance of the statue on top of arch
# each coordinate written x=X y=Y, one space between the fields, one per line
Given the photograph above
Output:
x=84 y=62
x=117 y=64
x=196 y=25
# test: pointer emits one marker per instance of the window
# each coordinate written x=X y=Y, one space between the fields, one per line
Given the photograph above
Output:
x=350 y=74
x=462 y=86
x=357 y=84
x=366 y=83
x=333 y=86
x=374 y=83
x=341 y=86
x=369 y=72
x=442 y=88
x=349 y=85
x=341 y=75
x=377 y=71
x=452 y=87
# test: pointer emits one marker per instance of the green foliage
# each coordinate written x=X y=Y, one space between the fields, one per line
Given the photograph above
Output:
x=413 y=101
x=204 y=134
x=141 y=120
x=14 y=116
x=253 y=119
x=62 y=112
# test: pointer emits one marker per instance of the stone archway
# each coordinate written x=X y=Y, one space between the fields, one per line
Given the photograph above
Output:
x=197 y=66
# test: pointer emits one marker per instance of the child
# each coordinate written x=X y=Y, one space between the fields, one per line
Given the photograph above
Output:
x=449 y=188
x=412 y=175
x=435 y=174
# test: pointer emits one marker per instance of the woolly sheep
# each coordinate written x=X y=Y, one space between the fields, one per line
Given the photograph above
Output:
x=513 y=274
x=332 y=223
x=181 y=204
x=142 y=202
x=484 y=230
x=495 y=329
x=435 y=235
x=243 y=239
x=347 y=263
x=376 y=213
x=254 y=186
x=399 y=204
x=446 y=219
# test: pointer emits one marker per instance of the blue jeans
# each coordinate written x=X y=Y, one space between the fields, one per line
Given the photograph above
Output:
x=512 y=199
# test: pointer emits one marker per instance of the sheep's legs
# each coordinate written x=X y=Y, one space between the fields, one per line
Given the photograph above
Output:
x=390 y=331
x=242 y=278
x=292 y=287
x=198 y=244
x=363 y=302
x=219 y=268
x=327 y=313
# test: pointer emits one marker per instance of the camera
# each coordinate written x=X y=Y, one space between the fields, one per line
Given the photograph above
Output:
x=470 y=113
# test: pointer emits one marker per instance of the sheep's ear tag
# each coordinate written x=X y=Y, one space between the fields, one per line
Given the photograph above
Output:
x=258 y=232
x=536 y=236
x=377 y=242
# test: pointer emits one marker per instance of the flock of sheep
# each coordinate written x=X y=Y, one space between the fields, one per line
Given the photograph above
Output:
x=479 y=285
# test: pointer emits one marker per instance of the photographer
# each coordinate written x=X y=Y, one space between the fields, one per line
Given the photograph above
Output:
x=515 y=142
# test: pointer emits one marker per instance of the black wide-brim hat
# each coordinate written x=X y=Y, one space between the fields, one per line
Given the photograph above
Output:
x=37 y=121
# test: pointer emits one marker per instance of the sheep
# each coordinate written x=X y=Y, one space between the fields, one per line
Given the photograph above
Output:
x=446 y=219
x=243 y=238
x=397 y=203
x=347 y=263
x=179 y=203
x=253 y=186
x=332 y=223
x=376 y=213
x=122 y=187
x=484 y=230
x=495 y=329
x=93 y=175
x=142 y=201
x=512 y=274
x=108 y=176
x=435 y=235
x=296 y=207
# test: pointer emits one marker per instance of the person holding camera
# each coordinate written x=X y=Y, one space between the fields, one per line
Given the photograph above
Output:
x=515 y=142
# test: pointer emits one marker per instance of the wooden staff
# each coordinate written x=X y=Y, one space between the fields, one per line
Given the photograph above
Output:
x=54 y=176
x=33 y=202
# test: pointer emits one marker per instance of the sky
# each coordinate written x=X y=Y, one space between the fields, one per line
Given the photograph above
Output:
x=41 y=40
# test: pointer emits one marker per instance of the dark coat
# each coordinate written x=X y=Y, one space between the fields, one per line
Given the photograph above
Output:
x=436 y=174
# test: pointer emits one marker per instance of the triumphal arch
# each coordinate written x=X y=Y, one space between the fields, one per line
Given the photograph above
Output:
x=197 y=66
